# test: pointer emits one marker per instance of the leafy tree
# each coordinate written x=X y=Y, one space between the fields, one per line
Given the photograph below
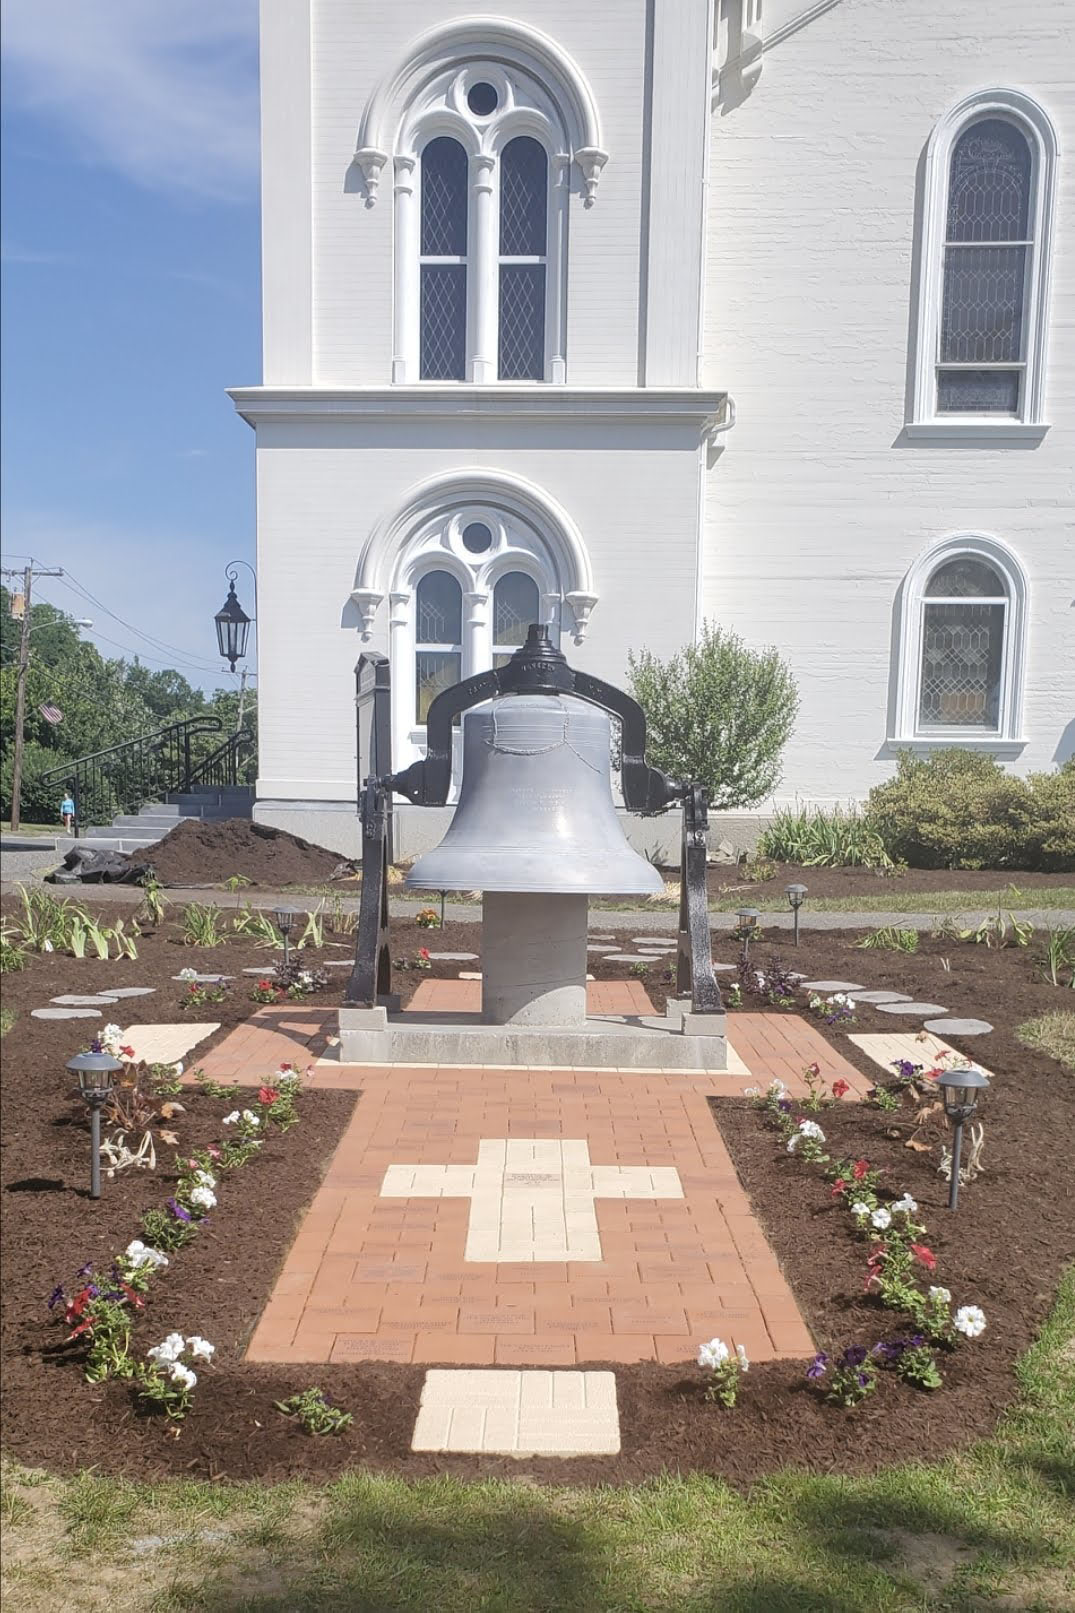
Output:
x=719 y=713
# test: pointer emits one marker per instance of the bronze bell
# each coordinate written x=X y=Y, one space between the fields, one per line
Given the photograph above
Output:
x=535 y=808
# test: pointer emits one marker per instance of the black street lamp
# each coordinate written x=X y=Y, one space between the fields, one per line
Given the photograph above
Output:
x=232 y=626
x=748 y=926
x=95 y=1072
x=796 y=895
x=285 y=922
x=961 y=1090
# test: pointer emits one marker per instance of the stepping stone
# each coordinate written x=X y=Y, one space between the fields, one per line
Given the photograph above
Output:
x=83 y=1002
x=470 y=974
x=592 y=946
x=959 y=1027
x=916 y=1009
x=202 y=980
x=652 y=940
x=454 y=957
x=624 y=957
x=881 y=996
x=166 y=1044
x=830 y=985
x=131 y=991
x=329 y=963
x=65 y=1013
x=603 y=938
x=518 y=1413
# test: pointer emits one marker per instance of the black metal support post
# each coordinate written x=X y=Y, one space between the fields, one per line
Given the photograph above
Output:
x=371 y=977
x=694 y=957
x=957 y=1150
x=95 y=1146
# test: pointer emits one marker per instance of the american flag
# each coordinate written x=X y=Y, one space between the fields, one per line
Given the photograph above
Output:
x=51 y=714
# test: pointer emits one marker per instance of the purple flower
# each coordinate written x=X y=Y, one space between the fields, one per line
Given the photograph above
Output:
x=114 y=1293
x=92 y=1290
x=85 y=1271
x=785 y=1105
x=862 y=1379
x=890 y=1349
x=56 y=1297
x=905 y=1069
x=854 y=1355
x=178 y=1211
x=817 y=1367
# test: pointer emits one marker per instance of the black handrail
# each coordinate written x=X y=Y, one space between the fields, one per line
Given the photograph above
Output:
x=220 y=770
x=121 y=778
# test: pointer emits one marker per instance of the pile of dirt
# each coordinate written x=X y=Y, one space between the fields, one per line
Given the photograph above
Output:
x=195 y=854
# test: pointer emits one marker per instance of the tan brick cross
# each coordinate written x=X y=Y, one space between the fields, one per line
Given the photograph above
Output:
x=532 y=1198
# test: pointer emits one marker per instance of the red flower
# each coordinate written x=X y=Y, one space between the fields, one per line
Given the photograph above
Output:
x=423 y=952
x=926 y=1256
x=813 y=1069
x=266 y=985
x=213 y=1151
x=838 y=1187
x=267 y=1095
x=127 y=1052
x=133 y=1297
x=283 y=1067
x=839 y=1088
x=860 y=1169
x=932 y=1075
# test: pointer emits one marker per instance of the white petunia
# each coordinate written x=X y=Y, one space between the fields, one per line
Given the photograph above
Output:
x=941 y=1296
x=859 y=1209
x=810 y=1128
x=251 y=1118
x=112 y=1033
x=881 y=1219
x=232 y=1119
x=170 y=1350
x=744 y=1359
x=203 y=1198
x=138 y=1254
x=205 y=1178
x=183 y=1375
x=776 y=1088
x=969 y=1320
x=47 y=946
x=200 y=1348
x=793 y=1142
x=752 y=1092
x=187 y=974
x=906 y=1204
x=713 y=1354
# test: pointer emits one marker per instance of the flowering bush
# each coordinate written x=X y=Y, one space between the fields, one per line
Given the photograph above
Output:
x=725 y=1369
x=427 y=918
x=168 y=1380
x=839 y=1009
x=198 y=993
x=806 y=1141
x=774 y=983
x=969 y=1320
x=850 y=1378
x=265 y=992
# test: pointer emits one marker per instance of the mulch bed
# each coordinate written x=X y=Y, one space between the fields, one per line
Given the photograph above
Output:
x=1004 y=1250
x=195 y=854
x=725 y=880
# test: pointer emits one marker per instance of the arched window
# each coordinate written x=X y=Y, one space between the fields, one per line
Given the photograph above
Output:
x=524 y=229
x=516 y=603
x=438 y=638
x=983 y=293
x=443 y=273
x=962 y=648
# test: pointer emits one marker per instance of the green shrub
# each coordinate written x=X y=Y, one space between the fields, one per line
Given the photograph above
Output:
x=718 y=713
x=960 y=809
x=814 y=838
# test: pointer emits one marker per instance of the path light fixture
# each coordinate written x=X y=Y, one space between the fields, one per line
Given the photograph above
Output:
x=796 y=895
x=747 y=927
x=961 y=1090
x=95 y=1073
x=285 y=922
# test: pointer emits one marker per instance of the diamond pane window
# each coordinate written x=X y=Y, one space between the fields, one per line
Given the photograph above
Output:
x=443 y=276
x=524 y=183
x=444 y=322
x=964 y=578
x=516 y=603
x=524 y=194
x=963 y=626
x=444 y=200
x=438 y=638
x=522 y=321
x=986 y=258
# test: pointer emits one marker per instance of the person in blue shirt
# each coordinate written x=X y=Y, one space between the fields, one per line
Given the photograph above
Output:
x=67 y=811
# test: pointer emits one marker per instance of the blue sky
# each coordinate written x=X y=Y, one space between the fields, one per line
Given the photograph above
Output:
x=130 y=301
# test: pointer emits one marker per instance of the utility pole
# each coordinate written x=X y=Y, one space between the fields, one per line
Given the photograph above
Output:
x=242 y=700
x=28 y=575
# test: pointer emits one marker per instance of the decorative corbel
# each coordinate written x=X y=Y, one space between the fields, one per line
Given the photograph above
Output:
x=591 y=160
x=367 y=600
x=581 y=607
x=371 y=161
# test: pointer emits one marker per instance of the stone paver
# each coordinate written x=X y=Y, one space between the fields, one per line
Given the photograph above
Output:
x=101 y=1000
x=959 y=1027
x=917 y=1047
x=131 y=991
x=197 y=979
x=454 y=957
x=518 y=1413
x=166 y=1044
x=915 y=1010
x=830 y=985
x=65 y=1013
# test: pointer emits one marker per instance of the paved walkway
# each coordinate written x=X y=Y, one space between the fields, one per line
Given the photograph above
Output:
x=528 y=1217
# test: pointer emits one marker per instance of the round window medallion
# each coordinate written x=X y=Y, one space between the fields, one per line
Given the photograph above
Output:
x=477 y=537
x=482 y=99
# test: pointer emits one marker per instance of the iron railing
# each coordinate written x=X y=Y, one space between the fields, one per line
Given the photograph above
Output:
x=122 y=778
x=226 y=767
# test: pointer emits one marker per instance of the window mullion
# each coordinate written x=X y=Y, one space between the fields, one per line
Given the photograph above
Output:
x=482 y=301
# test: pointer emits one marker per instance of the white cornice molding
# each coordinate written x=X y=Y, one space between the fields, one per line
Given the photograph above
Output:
x=459 y=401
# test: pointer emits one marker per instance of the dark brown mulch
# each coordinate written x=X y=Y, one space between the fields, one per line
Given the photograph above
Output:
x=195 y=854
x=1004 y=1250
x=725 y=880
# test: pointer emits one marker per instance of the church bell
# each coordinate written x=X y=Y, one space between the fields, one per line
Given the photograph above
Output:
x=535 y=808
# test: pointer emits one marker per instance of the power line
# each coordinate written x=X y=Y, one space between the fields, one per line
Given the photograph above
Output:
x=190 y=656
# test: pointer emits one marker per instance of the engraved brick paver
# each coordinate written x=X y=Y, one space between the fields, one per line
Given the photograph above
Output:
x=519 y=1413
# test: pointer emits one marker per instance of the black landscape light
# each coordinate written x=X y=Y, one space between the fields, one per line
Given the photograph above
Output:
x=961 y=1090
x=285 y=922
x=232 y=627
x=747 y=927
x=796 y=895
x=95 y=1072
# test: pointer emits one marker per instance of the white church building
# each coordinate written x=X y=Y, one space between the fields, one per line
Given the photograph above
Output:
x=625 y=316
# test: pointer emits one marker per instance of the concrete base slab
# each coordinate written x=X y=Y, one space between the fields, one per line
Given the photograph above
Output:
x=597 y=1044
x=518 y=1413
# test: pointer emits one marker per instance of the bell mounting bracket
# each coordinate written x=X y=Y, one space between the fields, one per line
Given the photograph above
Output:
x=537 y=667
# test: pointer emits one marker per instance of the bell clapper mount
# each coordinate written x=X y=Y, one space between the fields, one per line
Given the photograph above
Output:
x=535 y=830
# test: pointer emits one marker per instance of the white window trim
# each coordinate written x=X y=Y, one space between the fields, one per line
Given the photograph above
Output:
x=1004 y=560
x=1030 y=426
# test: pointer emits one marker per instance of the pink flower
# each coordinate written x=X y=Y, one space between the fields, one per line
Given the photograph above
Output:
x=839 y=1088
x=926 y=1256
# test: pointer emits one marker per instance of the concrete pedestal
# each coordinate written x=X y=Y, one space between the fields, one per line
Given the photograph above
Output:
x=534 y=959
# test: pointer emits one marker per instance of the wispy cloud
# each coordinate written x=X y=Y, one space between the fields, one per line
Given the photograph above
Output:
x=166 y=93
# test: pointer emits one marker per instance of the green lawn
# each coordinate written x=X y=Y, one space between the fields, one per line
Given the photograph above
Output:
x=991 y=1528
x=1053 y=1034
x=893 y=899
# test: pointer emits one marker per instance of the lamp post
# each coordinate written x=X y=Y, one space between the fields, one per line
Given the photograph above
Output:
x=796 y=895
x=285 y=923
x=95 y=1072
x=961 y=1090
x=233 y=628
x=748 y=924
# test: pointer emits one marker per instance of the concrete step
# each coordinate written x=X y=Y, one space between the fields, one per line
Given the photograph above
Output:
x=149 y=820
x=105 y=839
